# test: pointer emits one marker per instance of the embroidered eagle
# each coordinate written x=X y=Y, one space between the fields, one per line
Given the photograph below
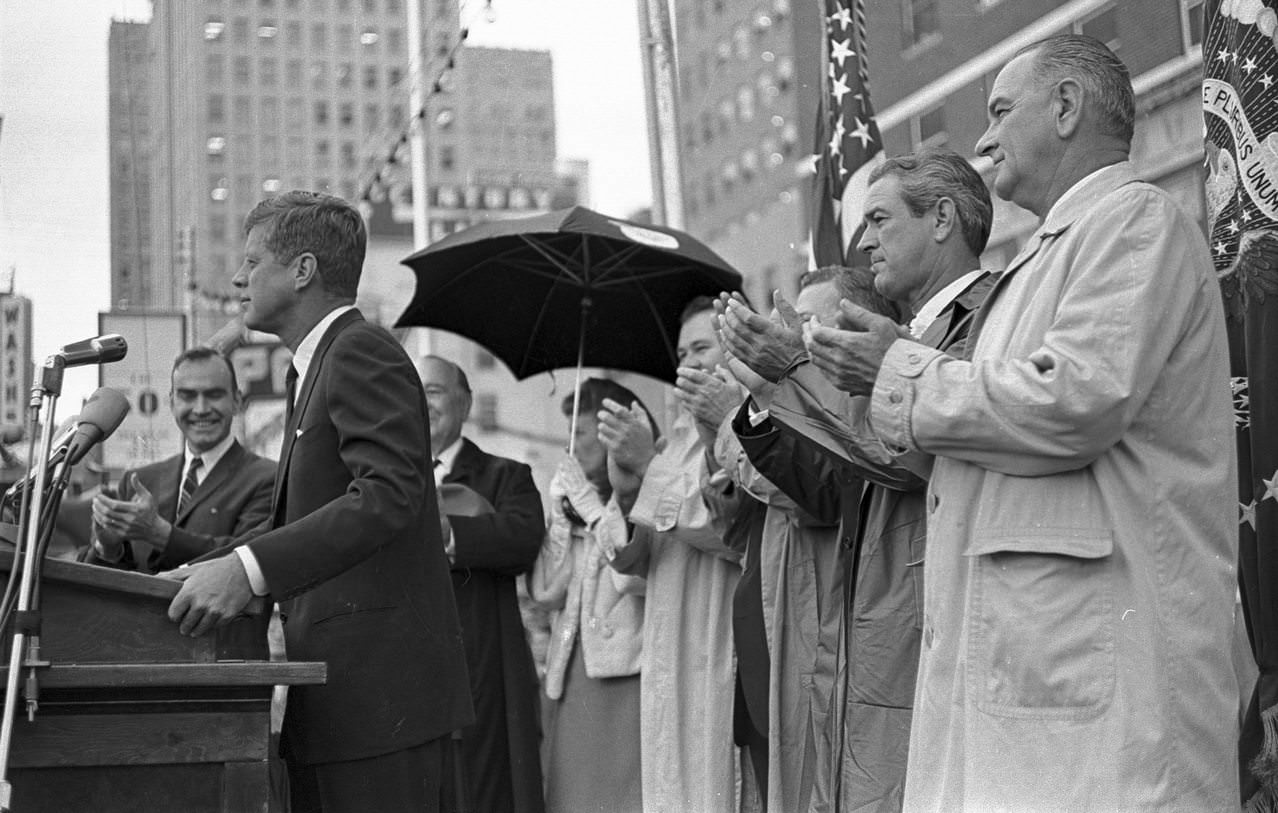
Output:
x=1254 y=274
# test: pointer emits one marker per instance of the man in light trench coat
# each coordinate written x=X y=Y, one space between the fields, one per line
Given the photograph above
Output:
x=1080 y=569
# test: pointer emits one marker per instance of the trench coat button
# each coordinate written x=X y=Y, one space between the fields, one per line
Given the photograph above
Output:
x=914 y=358
x=932 y=502
x=895 y=396
x=929 y=636
x=593 y=623
x=607 y=631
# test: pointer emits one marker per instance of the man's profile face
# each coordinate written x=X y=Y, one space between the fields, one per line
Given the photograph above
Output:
x=820 y=300
x=698 y=345
x=447 y=404
x=267 y=293
x=1021 y=138
x=900 y=244
x=203 y=402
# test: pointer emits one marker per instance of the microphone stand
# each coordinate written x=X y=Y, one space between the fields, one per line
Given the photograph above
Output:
x=26 y=619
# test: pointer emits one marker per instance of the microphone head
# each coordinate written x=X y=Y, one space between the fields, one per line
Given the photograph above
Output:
x=97 y=350
x=105 y=409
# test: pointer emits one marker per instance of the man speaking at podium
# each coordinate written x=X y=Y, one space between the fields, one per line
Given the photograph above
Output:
x=352 y=549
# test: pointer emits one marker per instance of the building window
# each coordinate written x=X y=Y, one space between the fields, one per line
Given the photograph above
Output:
x=214 y=69
x=928 y=129
x=368 y=37
x=1103 y=25
x=1191 y=23
x=345 y=37
x=486 y=411
x=216 y=144
x=395 y=40
x=321 y=114
x=213 y=29
x=267 y=30
x=293 y=33
x=393 y=77
x=217 y=225
x=241 y=70
x=293 y=72
x=266 y=70
x=920 y=22
x=321 y=151
x=447 y=157
x=370 y=77
x=319 y=75
x=346 y=114
x=344 y=73
x=745 y=103
x=319 y=36
x=293 y=113
x=372 y=117
x=239 y=29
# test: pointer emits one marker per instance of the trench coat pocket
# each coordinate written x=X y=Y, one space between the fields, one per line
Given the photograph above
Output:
x=1041 y=641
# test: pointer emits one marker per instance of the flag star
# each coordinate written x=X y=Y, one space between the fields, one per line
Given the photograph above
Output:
x=843 y=17
x=1271 y=488
x=1244 y=215
x=1266 y=80
x=1248 y=514
x=841 y=50
x=840 y=89
x=836 y=139
x=1220 y=247
x=1249 y=65
x=1233 y=57
x=1233 y=227
x=862 y=131
x=1222 y=55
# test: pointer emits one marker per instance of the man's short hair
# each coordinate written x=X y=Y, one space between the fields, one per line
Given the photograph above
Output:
x=933 y=173
x=1103 y=76
x=855 y=285
x=204 y=354
x=696 y=305
x=458 y=373
x=325 y=225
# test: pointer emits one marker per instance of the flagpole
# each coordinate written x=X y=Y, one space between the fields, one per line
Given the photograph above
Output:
x=657 y=43
x=418 y=170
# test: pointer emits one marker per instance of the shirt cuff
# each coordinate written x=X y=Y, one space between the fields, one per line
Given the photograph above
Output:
x=253 y=570
x=104 y=555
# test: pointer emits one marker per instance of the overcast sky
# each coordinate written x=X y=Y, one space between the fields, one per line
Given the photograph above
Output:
x=53 y=145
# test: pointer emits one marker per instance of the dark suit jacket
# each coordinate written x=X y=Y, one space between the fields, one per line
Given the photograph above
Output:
x=501 y=749
x=355 y=558
x=234 y=498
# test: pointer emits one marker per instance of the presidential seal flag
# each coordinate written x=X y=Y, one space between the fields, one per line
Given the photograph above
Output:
x=848 y=146
x=1240 y=86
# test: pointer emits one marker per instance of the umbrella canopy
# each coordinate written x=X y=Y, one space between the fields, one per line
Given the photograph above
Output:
x=567 y=288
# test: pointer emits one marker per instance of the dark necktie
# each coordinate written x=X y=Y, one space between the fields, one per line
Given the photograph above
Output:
x=290 y=393
x=188 y=484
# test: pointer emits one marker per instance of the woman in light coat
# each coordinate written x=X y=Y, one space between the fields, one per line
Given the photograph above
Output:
x=592 y=664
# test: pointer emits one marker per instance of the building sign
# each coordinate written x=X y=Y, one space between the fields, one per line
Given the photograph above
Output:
x=148 y=432
x=15 y=359
x=260 y=369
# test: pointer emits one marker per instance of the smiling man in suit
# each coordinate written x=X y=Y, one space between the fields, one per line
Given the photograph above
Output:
x=488 y=551
x=352 y=551
x=170 y=512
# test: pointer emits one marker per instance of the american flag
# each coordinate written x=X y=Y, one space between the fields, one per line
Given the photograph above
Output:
x=848 y=145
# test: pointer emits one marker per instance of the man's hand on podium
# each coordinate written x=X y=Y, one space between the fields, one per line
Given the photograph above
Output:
x=212 y=594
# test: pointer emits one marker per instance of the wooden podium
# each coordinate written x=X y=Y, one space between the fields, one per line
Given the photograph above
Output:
x=133 y=716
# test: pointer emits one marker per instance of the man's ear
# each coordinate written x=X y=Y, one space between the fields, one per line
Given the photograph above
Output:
x=305 y=270
x=1067 y=106
x=944 y=219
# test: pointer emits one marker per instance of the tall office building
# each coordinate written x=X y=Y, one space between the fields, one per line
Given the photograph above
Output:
x=748 y=96
x=244 y=100
x=748 y=103
x=129 y=148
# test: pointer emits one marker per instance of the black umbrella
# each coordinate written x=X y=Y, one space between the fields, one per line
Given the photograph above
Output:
x=567 y=288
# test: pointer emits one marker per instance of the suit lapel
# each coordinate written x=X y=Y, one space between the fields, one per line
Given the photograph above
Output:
x=212 y=481
x=292 y=429
x=464 y=464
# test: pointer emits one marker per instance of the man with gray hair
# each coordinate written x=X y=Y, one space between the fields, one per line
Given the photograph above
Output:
x=1081 y=509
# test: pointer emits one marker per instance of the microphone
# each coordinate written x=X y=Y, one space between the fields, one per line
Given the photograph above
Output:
x=98 y=350
x=102 y=414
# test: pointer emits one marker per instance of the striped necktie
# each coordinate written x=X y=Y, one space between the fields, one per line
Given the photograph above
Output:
x=189 y=483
